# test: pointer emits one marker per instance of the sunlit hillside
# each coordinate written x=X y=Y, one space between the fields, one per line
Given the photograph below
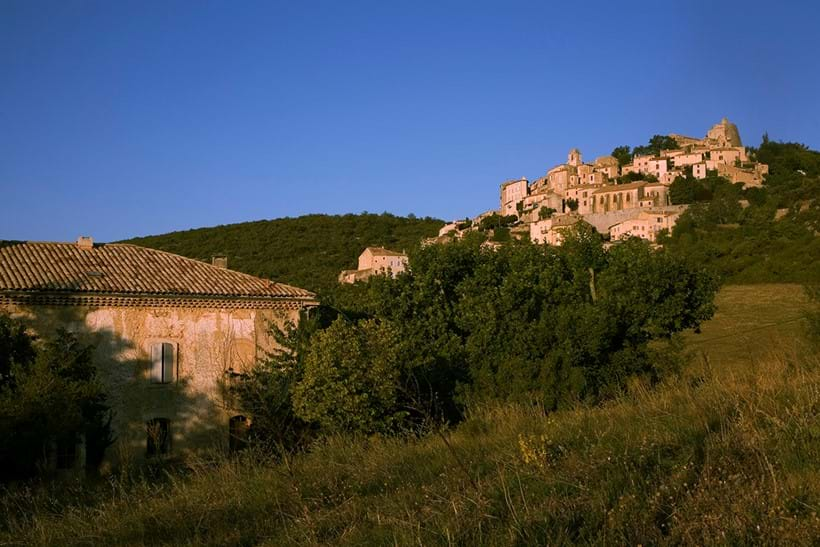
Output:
x=728 y=452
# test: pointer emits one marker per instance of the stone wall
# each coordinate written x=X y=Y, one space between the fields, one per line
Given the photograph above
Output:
x=603 y=221
x=207 y=341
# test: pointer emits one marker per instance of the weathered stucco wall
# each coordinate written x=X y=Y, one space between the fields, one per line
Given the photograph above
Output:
x=208 y=342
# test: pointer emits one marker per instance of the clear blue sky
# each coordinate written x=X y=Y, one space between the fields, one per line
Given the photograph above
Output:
x=121 y=118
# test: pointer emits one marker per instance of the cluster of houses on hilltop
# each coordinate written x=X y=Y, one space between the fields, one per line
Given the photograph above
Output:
x=620 y=201
x=576 y=191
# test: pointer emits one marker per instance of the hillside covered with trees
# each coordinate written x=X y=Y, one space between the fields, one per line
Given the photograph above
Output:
x=307 y=251
x=761 y=234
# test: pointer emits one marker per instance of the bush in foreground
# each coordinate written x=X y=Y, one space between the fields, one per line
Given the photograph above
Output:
x=50 y=397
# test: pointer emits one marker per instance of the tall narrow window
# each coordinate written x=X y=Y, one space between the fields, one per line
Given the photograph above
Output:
x=158 y=437
x=163 y=363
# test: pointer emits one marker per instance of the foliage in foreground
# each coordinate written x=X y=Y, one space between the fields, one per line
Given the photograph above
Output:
x=529 y=323
x=535 y=323
x=714 y=457
x=49 y=395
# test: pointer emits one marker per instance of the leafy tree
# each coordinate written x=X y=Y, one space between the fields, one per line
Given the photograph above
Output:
x=756 y=196
x=689 y=189
x=794 y=171
x=522 y=322
x=536 y=323
x=583 y=248
x=623 y=155
x=501 y=235
x=351 y=378
x=545 y=212
x=49 y=392
x=495 y=220
x=636 y=177
x=656 y=144
x=572 y=204
x=465 y=224
x=265 y=393
x=16 y=348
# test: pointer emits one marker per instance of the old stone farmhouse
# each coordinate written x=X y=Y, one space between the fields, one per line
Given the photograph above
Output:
x=375 y=261
x=168 y=332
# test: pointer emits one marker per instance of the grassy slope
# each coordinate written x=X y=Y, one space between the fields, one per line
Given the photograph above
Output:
x=752 y=321
x=307 y=251
x=729 y=453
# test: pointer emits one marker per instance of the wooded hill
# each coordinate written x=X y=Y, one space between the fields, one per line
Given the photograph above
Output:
x=757 y=235
x=307 y=251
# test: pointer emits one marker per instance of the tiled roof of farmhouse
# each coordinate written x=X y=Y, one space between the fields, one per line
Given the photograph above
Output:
x=381 y=251
x=126 y=269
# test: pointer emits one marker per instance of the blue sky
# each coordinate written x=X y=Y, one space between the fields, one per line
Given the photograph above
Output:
x=123 y=118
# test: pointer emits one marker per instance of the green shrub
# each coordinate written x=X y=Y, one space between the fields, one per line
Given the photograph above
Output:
x=351 y=378
x=49 y=392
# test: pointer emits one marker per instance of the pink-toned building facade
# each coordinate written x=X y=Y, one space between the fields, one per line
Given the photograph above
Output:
x=375 y=261
x=645 y=225
x=512 y=193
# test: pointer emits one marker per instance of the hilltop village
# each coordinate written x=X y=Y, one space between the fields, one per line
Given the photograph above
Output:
x=620 y=197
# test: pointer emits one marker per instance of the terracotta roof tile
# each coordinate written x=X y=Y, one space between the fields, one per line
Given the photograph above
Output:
x=126 y=269
x=381 y=251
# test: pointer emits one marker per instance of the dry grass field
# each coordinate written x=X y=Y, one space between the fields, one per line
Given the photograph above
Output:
x=752 y=322
x=726 y=454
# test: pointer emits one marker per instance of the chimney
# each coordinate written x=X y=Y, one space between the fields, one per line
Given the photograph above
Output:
x=220 y=261
x=85 y=243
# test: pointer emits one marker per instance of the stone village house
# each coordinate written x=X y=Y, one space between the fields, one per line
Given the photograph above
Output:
x=375 y=261
x=168 y=332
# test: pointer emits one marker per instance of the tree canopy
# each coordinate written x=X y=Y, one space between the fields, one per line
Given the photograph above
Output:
x=622 y=154
x=521 y=322
x=655 y=145
x=49 y=393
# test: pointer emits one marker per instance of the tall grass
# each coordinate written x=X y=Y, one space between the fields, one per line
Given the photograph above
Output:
x=715 y=456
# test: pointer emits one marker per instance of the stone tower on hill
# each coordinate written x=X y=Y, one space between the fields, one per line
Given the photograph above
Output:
x=724 y=133
x=574 y=157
